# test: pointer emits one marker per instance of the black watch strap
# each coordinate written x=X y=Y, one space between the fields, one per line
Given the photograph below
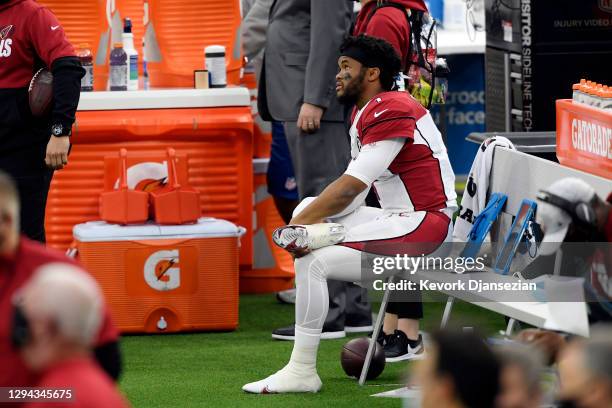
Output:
x=59 y=129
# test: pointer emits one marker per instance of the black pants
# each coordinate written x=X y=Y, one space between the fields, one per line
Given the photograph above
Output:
x=27 y=168
x=405 y=310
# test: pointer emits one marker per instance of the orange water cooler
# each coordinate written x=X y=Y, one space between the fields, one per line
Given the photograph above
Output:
x=164 y=279
x=584 y=137
x=210 y=129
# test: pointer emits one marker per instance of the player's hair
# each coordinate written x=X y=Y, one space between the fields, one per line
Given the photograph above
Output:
x=471 y=366
x=378 y=53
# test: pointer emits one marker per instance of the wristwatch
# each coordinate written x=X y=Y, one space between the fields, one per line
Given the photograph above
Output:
x=59 y=130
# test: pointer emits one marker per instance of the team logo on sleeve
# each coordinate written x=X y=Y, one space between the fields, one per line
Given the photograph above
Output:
x=5 y=41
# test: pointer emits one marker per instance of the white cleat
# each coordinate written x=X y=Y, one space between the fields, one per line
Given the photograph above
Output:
x=283 y=382
x=303 y=238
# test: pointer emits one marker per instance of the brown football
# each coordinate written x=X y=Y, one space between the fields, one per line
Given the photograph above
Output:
x=353 y=356
x=41 y=92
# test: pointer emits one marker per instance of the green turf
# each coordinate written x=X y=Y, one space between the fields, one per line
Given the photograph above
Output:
x=208 y=369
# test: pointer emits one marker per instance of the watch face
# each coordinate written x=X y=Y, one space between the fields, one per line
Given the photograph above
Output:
x=57 y=130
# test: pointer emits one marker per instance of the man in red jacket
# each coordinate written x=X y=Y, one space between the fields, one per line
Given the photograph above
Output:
x=19 y=258
x=388 y=20
x=31 y=148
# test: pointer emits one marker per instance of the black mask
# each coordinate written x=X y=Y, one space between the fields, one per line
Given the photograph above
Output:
x=20 y=331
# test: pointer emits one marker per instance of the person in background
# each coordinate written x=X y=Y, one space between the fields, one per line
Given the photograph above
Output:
x=19 y=258
x=281 y=180
x=460 y=370
x=57 y=316
x=585 y=371
x=521 y=370
x=297 y=88
x=32 y=148
x=569 y=211
x=388 y=21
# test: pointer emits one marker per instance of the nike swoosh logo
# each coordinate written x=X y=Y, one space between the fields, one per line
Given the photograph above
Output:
x=414 y=350
x=55 y=27
x=377 y=114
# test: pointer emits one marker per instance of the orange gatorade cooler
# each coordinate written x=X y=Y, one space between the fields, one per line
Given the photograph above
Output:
x=163 y=279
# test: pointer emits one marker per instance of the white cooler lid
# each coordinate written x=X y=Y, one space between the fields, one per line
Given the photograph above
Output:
x=207 y=227
x=164 y=99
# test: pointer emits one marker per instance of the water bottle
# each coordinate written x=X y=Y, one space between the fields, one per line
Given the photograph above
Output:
x=118 y=68
x=132 y=55
x=86 y=58
x=215 y=64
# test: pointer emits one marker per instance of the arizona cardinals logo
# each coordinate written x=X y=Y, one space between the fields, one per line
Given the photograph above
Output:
x=6 y=31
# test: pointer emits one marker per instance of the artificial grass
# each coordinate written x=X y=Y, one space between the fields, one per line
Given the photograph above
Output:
x=209 y=369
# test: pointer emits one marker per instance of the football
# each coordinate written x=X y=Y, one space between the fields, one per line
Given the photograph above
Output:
x=353 y=356
x=40 y=92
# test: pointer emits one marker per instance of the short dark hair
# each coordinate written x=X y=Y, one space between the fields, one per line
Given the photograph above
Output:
x=381 y=52
x=471 y=365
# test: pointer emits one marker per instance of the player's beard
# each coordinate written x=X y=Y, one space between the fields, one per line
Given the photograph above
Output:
x=352 y=90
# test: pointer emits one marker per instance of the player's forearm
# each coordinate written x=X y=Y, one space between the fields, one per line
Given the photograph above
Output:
x=335 y=198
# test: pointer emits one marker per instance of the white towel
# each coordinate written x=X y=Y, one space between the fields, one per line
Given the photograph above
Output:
x=474 y=197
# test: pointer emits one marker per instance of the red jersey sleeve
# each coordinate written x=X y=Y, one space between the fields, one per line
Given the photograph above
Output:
x=387 y=119
x=48 y=37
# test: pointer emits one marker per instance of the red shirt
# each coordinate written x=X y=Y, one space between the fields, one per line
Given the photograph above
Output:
x=28 y=32
x=420 y=178
x=89 y=385
x=14 y=273
x=388 y=23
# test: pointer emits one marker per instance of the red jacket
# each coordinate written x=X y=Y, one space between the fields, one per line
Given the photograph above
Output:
x=15 y=271
x=388 y=23
x=28 y=31
x=88 y=384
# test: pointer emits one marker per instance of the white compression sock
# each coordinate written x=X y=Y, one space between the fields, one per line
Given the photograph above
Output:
x=304 y=355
